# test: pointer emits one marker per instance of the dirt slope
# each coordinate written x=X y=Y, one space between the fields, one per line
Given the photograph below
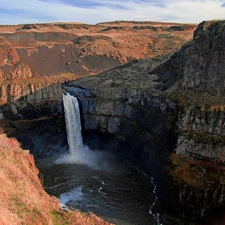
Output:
x=22 y=198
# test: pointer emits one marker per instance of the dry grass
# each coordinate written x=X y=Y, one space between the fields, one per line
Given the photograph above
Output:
x=196 y=173
x=200 y=101
x=22 y=197
x=9 y=143
x=42 y=81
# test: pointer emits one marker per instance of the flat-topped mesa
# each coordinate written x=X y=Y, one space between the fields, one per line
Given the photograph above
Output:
x=47 y=49
x=67 y=26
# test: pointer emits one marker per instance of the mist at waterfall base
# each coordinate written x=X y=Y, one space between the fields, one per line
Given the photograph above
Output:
x=98 y=182
x=78 y=152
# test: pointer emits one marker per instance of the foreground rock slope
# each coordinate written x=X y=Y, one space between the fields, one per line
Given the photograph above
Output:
x=22 y=196
x=23 y=199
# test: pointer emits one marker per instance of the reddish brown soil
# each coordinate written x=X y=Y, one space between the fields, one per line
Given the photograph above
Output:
x=49 y=49
x=22 y=198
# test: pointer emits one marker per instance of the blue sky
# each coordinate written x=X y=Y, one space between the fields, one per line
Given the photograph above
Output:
x=95 y=11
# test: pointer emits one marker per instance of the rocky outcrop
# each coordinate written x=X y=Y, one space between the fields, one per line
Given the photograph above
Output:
x=197 y=69
x=202 y=59
x=23 y=199
x=8 y=54
x=186 y=125
x=19 y=70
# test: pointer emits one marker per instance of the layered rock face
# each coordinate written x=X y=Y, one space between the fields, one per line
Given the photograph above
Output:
x=196 y=171
x=37 y=99
x=36 y=58
x=185 y=127
x=202 y=135
x=116 y=104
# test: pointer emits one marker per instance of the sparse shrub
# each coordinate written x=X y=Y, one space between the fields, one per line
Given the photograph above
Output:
x=10 y=143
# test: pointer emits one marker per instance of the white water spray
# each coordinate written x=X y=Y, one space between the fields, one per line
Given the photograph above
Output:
x=156 y=216
x=73 y=124
x=79 y=153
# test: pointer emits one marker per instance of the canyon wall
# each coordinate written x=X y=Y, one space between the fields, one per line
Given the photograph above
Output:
x=195 y=183
x=36 y=58
x=126 y=120
x=169 y=119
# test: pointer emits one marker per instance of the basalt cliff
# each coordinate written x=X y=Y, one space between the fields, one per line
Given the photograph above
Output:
x=36 y=59
x=166 y=116
x=168 y=119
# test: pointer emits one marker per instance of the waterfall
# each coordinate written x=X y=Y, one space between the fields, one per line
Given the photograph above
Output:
x=78 y=152
x=73 y=124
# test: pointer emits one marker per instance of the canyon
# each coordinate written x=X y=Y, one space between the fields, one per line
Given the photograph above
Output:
x=38 y=58
x=154 y=90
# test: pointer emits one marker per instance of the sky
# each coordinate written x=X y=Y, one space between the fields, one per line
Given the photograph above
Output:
x=96 y=11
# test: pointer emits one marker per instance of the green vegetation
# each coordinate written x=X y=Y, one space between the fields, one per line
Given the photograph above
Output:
x=204 y=137
x=198 y=101
x=59 y=218
x=24 y=212
x=21 y=208
x=196 y=173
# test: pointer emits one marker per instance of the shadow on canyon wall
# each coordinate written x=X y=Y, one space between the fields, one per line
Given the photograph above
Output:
x=37 y=121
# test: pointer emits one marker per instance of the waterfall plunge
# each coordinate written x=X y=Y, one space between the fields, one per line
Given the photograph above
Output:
x=73 y=124
x=79 y=153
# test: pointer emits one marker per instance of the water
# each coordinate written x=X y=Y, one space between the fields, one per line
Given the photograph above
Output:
x=73 y=124
x=120 y=194
x=94 y=181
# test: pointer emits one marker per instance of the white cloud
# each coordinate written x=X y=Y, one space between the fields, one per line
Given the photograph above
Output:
x=94 y=11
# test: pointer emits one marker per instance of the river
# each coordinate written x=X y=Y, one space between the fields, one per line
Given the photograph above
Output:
x=117 y=192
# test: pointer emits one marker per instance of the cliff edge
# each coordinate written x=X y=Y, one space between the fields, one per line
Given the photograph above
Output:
x=22 y=197
x=171 y=115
